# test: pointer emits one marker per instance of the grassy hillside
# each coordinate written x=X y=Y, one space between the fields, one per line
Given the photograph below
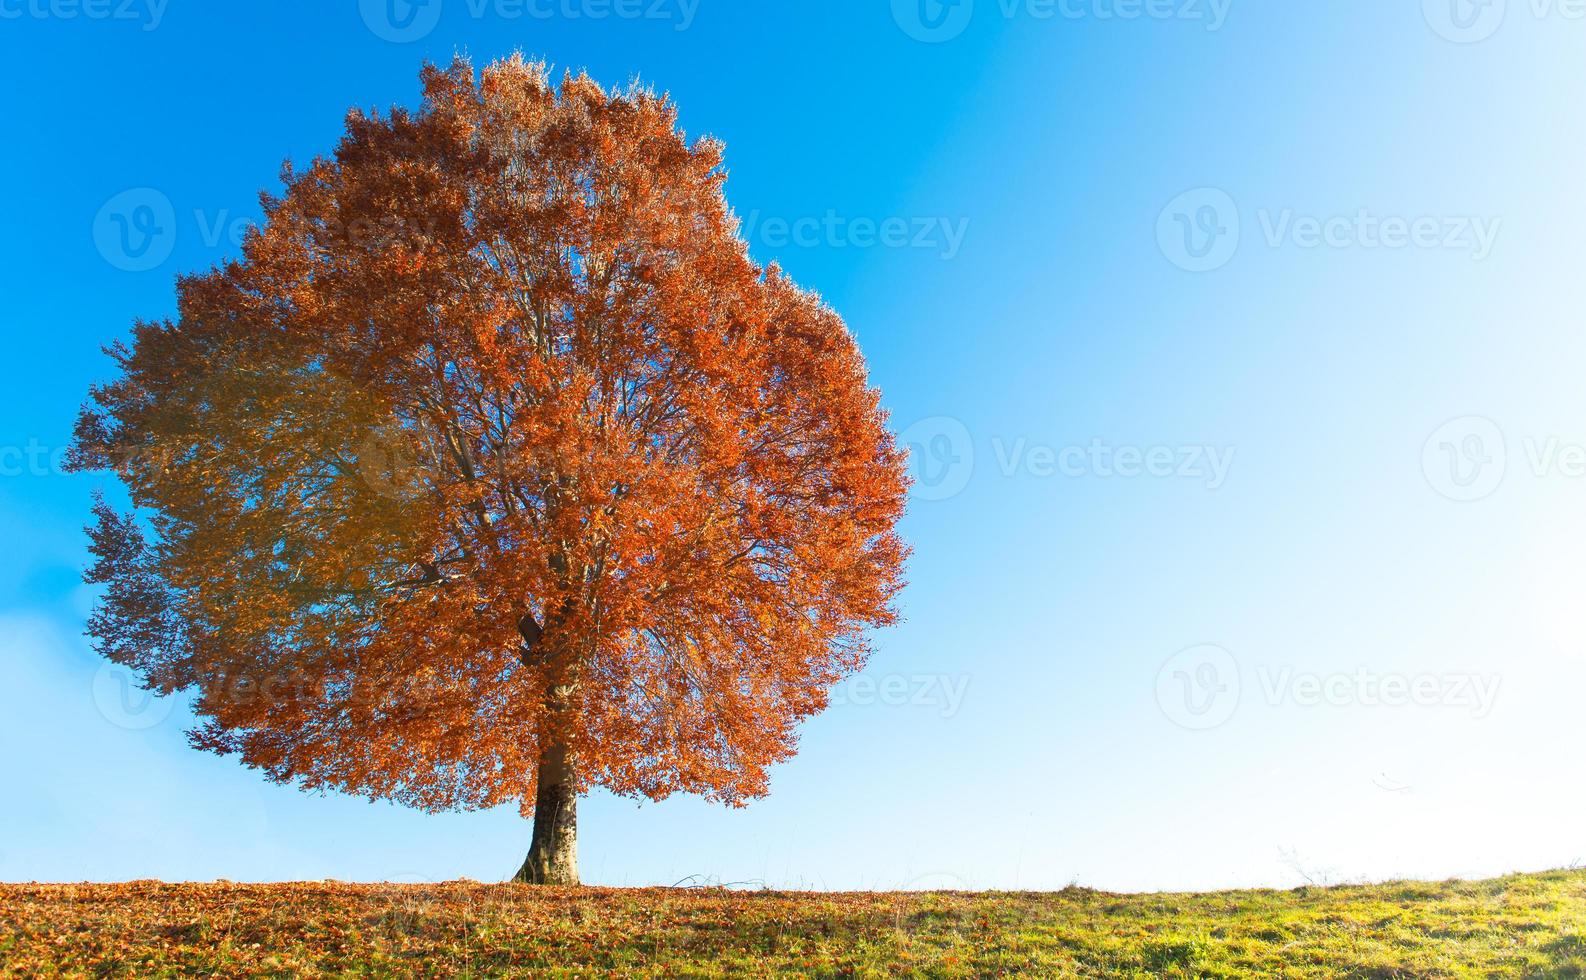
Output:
x=1530 y=925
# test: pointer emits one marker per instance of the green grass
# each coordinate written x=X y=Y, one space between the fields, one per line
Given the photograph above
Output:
x=1520 y=926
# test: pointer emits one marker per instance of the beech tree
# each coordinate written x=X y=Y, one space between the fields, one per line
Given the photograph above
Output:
x=495 y=470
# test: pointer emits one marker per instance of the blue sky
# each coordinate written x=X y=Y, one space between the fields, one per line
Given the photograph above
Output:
x=1238 y=343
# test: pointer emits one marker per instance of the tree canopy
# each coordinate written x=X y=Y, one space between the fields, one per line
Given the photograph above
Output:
x=494 y=439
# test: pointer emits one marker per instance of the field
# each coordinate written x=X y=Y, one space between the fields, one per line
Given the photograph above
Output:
x=1528 y=925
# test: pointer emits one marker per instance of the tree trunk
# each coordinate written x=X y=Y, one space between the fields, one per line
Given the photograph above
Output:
x=553 y=852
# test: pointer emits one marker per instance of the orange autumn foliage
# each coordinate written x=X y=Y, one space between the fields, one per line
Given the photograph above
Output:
x=495 y=437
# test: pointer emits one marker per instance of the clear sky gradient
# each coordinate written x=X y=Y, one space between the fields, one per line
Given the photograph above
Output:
x=1238 y=343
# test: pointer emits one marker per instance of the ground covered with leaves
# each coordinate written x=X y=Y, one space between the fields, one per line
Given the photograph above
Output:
x=1530 y=925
